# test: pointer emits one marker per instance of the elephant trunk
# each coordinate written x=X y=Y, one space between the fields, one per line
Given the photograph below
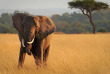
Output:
x=28 y=46
x=28 y=49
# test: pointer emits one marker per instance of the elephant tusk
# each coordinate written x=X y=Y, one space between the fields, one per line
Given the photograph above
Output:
x=31 y=41
x=23 y=43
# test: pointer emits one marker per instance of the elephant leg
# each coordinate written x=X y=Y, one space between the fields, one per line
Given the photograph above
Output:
x=41 y=55
x=21 y=57
x=37 y=55
x=40 y=51
x=37 y=61
x=37 y=52
x=45 y=56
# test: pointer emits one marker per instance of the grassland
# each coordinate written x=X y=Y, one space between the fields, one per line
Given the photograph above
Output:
x=69 y=54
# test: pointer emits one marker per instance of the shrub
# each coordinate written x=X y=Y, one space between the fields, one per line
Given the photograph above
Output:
x=102 y=30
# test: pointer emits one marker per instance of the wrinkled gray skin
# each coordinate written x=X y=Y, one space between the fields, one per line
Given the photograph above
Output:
x=35 y=34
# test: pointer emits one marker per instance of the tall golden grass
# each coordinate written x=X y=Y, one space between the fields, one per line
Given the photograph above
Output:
x=69 y=54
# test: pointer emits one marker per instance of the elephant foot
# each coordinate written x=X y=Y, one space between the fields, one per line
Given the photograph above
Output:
x=45 y=65
x=38 y=66
x=20 y=67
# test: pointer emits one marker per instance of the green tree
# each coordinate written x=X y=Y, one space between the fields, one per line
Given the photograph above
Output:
x=6 y=18
x=87 y=7
x=6 y=29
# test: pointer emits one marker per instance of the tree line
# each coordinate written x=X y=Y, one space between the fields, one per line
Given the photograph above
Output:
x=79 y=23
x=67 y=23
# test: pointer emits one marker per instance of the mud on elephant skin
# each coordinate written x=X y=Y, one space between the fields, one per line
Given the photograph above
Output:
x=35 y=33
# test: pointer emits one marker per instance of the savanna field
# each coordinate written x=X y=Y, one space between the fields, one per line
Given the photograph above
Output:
x=69 y=54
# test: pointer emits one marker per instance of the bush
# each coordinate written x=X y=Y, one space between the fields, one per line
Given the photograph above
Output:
x=102 y=30
x=6 y=29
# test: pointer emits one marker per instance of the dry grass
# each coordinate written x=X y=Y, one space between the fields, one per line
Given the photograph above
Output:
x=69 y=54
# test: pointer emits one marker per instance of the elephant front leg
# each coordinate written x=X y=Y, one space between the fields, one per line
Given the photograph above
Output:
x=41 y=55
x=21 y=57
x=45 y=56
x=38 y=55
x=37 y=61
x=40 y=51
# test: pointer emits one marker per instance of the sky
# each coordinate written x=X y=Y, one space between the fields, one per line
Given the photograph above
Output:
x=36 y=4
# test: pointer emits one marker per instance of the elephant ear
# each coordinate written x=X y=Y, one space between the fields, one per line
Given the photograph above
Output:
x=17 y=21
x=47 y=27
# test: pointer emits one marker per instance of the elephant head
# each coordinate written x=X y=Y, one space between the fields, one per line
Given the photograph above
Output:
x=31 y=27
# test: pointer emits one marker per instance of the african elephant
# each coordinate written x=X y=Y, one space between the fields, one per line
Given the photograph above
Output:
x=35 y=33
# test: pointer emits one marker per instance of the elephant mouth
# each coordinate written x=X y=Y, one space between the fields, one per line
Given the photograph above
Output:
x=27 y=42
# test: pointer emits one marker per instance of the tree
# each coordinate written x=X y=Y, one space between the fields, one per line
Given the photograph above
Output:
x=87 y=7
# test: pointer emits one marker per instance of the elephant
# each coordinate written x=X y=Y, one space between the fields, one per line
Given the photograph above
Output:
x=35 y=33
